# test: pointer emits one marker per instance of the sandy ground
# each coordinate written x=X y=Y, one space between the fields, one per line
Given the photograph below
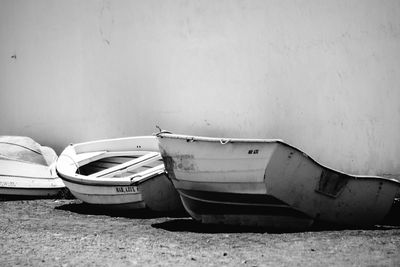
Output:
x=69 y=233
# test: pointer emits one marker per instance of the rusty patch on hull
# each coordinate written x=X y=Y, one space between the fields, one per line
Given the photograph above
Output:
x=169 y=165
x=185 y=163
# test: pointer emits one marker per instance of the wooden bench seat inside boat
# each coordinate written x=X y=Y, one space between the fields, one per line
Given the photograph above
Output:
x=129 y=166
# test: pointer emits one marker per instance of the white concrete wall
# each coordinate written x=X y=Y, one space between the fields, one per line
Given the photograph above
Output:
x=322 y=75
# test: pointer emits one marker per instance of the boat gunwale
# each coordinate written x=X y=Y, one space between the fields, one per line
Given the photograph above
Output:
x=225 y=141
x=77 y=146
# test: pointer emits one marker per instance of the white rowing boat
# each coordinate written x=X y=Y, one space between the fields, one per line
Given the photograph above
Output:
x=269 y=183
x=27 y=169
x=118 y=173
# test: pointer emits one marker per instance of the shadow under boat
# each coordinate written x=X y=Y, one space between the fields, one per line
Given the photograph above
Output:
x=63 y=193
x=118 y=211
x=191 y=225
x=390 y=222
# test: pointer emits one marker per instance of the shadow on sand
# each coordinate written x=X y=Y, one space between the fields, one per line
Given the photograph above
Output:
x=190 y=225
x=391 y=221
x=19 y=198
x=63 y=194
x=89 y=209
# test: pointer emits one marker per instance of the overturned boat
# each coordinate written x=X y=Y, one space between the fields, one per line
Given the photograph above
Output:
x=27 y=169
x=123 y=173
x=268 y=183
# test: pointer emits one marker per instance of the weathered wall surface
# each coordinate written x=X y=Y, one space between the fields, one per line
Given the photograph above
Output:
x=322 y=75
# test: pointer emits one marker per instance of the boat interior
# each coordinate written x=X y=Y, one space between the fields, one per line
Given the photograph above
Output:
x=127 y=164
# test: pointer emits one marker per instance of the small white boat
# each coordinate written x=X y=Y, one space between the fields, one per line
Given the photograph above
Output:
x=123 y=173
x=27 y=169
x=258 y=182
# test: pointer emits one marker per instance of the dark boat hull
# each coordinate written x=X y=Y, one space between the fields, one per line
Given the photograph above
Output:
x=243 y=209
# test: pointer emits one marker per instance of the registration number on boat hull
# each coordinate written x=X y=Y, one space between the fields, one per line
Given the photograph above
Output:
x=7 y=183
x=126 y=189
